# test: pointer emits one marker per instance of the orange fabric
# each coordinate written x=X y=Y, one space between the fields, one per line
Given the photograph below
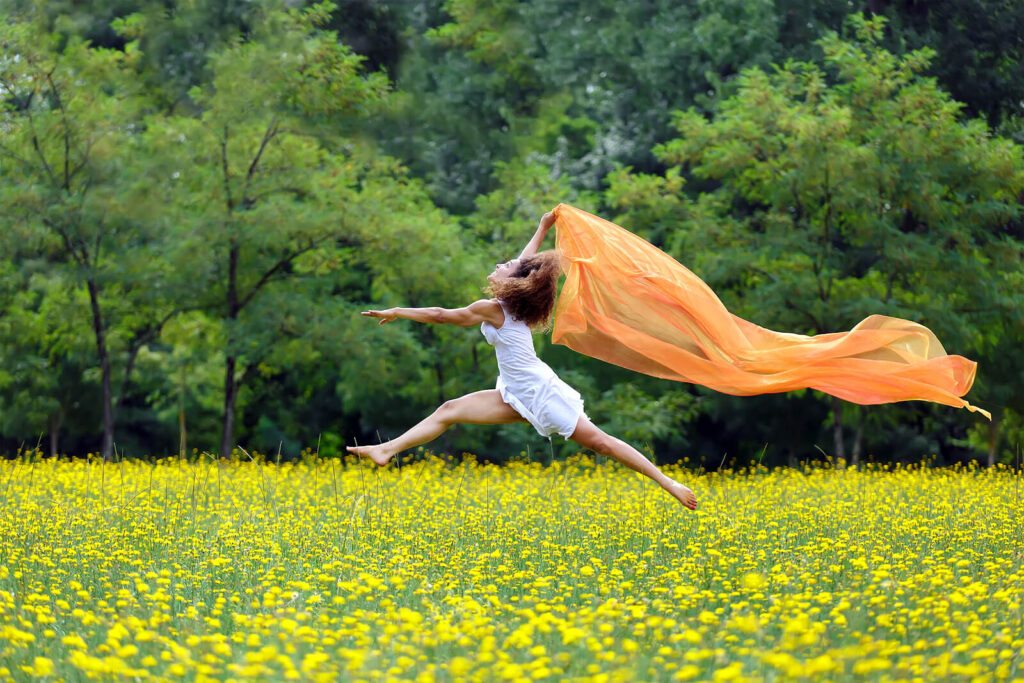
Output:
x=626 y=302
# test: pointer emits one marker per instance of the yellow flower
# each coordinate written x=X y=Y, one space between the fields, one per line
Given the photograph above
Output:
x=460 y=666
x=728 y=673
x=73 y=640
x=747 y=623
x=511 y=671
x=42 y=666
x=753 y=580
x=382 y=580
x=687 y=672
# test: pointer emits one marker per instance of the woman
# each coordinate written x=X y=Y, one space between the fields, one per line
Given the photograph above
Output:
x=527 y=390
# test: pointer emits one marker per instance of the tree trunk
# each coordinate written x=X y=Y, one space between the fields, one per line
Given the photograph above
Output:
x=56 y=420
x=182 y=433
x=227 y=437
x=993 y=437
x=858 y=439
x=837 y=428
x=107 y=447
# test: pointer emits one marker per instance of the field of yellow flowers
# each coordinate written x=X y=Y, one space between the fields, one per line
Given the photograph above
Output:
x=330 y=569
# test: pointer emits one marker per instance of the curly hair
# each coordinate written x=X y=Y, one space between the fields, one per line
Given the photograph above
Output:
x=529 y=292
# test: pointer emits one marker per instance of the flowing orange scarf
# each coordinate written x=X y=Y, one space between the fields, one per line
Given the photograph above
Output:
x=626 y=302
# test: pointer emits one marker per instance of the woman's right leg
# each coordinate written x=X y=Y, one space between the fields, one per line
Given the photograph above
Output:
x=591 y=436
x=479 y=408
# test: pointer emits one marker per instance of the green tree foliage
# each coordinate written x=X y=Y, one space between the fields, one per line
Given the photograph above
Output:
x=981 y=48
x=226 y=158
x=845 y=191
x=180 y=384
x=590 y=84
x=47 y=356
x=70 y=195
x=1001 y=357
x=173 y=38
x=274 y=208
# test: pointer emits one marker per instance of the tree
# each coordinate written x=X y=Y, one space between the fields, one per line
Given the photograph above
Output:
x=277 y=207
x=70 y=196
x=172 y=38
x=44 y=354
x=1001 y=356
x=845 y=191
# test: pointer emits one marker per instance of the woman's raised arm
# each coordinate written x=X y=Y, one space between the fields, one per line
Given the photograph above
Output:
x=477 y=312
x=546 y=221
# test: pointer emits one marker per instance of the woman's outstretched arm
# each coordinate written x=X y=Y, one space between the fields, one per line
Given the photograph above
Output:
x=477 y=312
x=546 y=221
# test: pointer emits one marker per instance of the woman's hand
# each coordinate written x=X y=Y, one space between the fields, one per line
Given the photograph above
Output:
x=385 y=316
x=546 y=221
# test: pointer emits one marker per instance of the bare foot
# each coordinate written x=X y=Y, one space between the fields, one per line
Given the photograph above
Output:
x=683 y=494
x=376 y=453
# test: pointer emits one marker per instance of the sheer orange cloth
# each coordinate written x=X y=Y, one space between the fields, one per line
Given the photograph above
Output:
x=626 y=302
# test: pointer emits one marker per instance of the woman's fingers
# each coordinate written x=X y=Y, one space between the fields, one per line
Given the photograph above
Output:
x=384 y=317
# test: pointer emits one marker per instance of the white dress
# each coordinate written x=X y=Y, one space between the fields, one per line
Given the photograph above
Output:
x=527 y=383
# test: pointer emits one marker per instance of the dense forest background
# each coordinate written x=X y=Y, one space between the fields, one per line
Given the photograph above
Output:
x=198 y=197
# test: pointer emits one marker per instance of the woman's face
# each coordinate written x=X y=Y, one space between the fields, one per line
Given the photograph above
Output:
x=503 y=270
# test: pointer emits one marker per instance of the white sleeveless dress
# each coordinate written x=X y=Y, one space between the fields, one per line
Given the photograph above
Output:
x=527 y=383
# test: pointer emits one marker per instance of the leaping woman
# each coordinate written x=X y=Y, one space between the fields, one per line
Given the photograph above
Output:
x=527 y=390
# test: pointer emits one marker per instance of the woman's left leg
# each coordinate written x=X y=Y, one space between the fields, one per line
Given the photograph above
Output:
x=479 y=408
x=588 y=435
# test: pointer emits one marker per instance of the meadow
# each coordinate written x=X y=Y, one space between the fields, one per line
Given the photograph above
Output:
x=328 y=569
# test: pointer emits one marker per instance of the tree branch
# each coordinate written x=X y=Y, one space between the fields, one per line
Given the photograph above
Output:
x=818 y=325
x=133 y=353
x=7 y=152
x=247 y=373
x=142 y=336
x=35 y=141
x=268 y=135
x=298 y=192
x=82 y=259
x=67 y=130
x=269 y=275
x=224 y=166
x=275 y=269
x=827 y=293
x=810 y=316
x=85 y=159
x=251 y=367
